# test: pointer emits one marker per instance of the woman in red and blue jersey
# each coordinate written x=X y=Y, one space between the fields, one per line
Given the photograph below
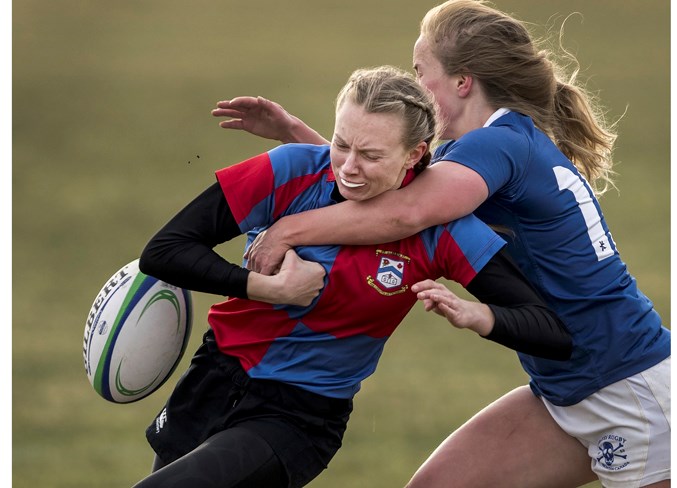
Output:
x=527 y=152
x=267 y=397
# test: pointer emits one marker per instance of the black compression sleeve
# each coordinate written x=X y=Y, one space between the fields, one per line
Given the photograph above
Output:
x=523 y=321
x=182 y=254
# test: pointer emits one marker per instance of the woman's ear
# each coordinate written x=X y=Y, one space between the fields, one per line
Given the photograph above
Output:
x=416 y=154
x=464 y=85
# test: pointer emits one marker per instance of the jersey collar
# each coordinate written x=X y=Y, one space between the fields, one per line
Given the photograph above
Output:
x=498 y=113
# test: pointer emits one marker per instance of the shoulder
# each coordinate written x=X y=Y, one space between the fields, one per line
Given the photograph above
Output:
x=290 y=161
x=296 y=152
x=279 y=165
x=499 y=152
x=510 y=134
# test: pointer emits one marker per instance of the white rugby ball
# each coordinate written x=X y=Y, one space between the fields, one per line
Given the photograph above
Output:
x=135 y=335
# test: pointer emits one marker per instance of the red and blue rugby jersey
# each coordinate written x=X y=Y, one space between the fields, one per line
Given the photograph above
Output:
x=330 y=346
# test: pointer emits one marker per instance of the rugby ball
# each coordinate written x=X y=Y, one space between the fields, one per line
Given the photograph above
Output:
x=135 y=334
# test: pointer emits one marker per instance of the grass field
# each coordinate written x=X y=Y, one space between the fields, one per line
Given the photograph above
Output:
x=112 y=134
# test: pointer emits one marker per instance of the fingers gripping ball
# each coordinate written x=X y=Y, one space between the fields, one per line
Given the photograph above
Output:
x=135 y=335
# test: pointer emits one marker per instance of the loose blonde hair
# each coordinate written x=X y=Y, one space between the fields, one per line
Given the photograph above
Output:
x=470 y=37
x=390 y=90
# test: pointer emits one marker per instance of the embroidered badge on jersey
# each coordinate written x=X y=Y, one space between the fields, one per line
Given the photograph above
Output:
x=611 y=453
x=390 y=273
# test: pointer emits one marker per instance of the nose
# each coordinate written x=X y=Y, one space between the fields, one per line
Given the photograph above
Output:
x=350 y=166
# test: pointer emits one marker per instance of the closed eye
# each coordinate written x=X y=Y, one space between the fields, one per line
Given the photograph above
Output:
x=339 y=144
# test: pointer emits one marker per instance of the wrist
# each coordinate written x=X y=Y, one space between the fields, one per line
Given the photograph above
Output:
x=262 y=288
x=284 y=233
x=485 y=321
x=293 y=130
x=298 y=131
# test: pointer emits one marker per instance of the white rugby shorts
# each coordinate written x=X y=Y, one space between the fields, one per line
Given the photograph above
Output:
x=625 y=427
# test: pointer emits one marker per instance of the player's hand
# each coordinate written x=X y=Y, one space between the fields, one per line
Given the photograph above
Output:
x=462 y=314
x=256 y=115
x=300 y=280
x=266 y=252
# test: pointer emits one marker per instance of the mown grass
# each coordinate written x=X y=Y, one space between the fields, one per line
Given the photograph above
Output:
x=111 y=109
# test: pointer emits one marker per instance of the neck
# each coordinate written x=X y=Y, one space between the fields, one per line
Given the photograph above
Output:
x=474 y=117
x=474 y=111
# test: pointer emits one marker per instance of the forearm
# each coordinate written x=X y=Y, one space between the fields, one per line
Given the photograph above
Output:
x=338 y=224
x=386 y=218
x=269 y=289
x=260 y=287
x=440 y=194
x=182 y=254
x=523 y=322
x=484 y=320
x=531 y=329
x=193 y=266
x=300 y=132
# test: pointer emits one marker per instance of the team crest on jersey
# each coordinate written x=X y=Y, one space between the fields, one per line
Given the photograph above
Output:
x=612 y=455
x=390 y=273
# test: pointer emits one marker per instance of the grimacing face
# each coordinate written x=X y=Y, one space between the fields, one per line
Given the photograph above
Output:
x=367 y=154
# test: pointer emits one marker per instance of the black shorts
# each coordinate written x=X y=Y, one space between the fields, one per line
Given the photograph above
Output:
x=304 y=429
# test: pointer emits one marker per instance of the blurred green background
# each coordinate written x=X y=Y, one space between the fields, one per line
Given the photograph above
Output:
x=112 y=134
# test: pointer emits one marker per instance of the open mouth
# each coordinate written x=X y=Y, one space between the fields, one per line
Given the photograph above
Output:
x=350 y=184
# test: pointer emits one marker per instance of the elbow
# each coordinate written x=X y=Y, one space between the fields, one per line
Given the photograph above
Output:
x=559 y=350
x=563 y=350
x=563 y=345
x=148 y=260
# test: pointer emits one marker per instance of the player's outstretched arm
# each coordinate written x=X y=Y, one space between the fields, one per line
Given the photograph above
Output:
x=182 y=253
x=265 y=118
x=510 y=312
x=442 y=193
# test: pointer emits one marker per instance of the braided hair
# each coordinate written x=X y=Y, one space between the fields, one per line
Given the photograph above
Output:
x=387 y=89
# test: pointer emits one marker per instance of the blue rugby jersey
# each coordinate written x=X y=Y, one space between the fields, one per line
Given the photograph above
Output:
x=562 y=243
x=332 y=345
